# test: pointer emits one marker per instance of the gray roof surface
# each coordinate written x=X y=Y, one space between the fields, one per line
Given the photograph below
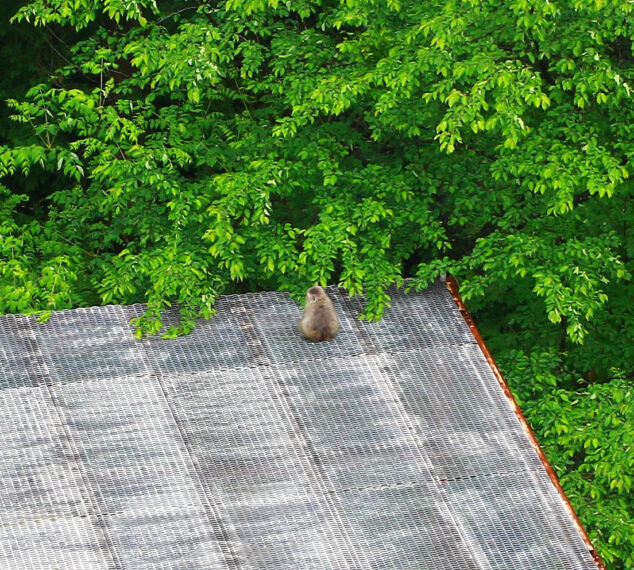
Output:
x=244 y=447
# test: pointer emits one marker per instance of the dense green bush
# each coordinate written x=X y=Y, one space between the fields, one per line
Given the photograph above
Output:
x=171 y=151
x=587 y=436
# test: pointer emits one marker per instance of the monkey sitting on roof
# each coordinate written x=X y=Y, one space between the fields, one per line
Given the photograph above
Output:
x=320 y=320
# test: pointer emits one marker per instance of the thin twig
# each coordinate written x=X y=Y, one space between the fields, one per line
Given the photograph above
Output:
x=177 y=12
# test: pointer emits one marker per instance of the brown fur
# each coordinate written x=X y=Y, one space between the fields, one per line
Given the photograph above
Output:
x=320 y=320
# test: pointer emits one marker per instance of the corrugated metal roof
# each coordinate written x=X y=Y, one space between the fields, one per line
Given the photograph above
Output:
x=244 y=447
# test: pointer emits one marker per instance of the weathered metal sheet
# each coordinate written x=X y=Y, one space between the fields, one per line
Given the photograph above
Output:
x=244 y=447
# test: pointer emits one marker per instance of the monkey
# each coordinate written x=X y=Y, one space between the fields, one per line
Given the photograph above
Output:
x=320 y=320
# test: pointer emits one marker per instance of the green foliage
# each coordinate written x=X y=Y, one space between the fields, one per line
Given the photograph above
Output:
x=39 y=270
x=579 y=404
x=202 y=148
x=590 y=445
x=587 y=436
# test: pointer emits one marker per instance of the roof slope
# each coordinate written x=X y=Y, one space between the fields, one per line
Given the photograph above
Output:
x=243 y=447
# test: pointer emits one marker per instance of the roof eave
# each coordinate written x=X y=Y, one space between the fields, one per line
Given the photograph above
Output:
x=452 y=285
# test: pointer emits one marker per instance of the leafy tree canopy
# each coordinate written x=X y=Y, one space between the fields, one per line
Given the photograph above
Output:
x=203 y=147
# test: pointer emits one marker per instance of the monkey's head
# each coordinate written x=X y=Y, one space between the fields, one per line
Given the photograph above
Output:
x=314 y=293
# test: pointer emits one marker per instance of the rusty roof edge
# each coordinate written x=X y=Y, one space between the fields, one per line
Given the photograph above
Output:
x=452 y=285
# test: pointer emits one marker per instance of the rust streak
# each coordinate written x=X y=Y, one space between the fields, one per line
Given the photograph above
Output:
x=452 y=285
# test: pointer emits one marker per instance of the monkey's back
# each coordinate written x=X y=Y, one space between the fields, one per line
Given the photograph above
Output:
x=320 y=322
